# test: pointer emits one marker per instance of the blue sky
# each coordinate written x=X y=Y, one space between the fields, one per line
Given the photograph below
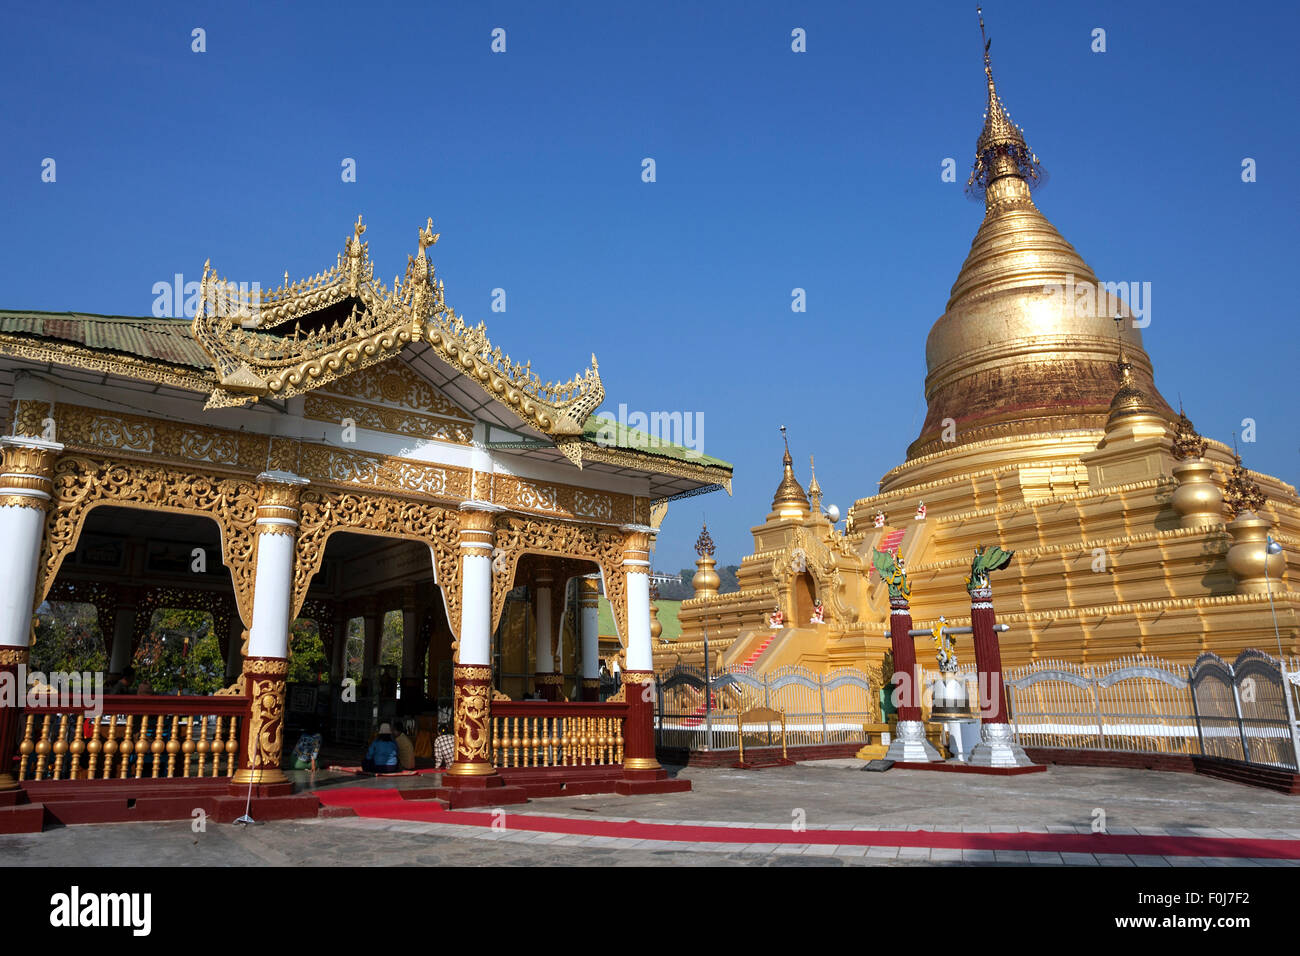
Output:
x=775 y=170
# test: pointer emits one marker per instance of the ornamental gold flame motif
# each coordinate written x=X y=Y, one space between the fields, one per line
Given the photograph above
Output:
x=260 y=347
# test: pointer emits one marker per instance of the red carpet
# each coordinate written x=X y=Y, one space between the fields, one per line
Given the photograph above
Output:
x=388 y=804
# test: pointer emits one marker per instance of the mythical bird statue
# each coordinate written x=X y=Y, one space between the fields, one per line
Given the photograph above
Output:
x=893 y=572
x=985 y=561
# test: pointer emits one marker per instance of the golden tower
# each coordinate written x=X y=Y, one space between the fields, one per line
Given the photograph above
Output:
x=1046 y=435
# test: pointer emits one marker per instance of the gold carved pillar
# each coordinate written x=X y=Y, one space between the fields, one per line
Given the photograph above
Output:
x=266 y=667
x=26 y=490
x=472 y=672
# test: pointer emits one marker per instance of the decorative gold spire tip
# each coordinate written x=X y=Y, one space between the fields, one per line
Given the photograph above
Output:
x=704 y=543
x=1001 y=149
x=1187 y=443
x=1242 y=494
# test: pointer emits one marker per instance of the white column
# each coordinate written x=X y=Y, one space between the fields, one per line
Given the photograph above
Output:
x=476 y=546
x=636 y=570
x=542 y=615
x=277 y=528
x=589 y=627
x=25 y=493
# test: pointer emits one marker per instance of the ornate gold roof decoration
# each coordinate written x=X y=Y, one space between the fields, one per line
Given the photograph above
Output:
x=704 y=543
x=1129 y=399
x=1001 y=149
x=814 y=489
x=789 y=494
x=1187 y=442
x=1242 y=494
x=257 y=352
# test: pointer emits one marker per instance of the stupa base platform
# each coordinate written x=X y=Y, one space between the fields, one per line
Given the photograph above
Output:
x=957 y=766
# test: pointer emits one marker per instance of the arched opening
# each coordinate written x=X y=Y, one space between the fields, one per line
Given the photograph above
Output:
x=380 y=623
x=515 y=643
x=145 y=597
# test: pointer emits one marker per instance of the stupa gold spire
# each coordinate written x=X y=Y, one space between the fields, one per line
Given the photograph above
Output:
x=814 y=489
x=1024 y=346
x=1001 y=149
x=1187 y=441
x=1242 y=494
x=790 y=500
x=1129 y=399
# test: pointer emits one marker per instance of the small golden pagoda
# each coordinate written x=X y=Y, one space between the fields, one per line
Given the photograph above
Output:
x=1045 y=433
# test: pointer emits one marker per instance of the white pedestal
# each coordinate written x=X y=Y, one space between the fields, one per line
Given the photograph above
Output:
x=910 y=746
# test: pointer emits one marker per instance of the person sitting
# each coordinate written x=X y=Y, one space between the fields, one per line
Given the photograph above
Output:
x=123 y=683
x=444 y=748
x=382 y=755
x=307 y=749
x=405 y=747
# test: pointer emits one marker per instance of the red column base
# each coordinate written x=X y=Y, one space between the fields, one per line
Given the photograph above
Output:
x=486 y=791
x=262 y=789
x=549 y=685
x=636 y=782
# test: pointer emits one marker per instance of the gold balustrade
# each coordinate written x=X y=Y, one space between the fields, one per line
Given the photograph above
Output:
x=181 y=738
x=557 y=735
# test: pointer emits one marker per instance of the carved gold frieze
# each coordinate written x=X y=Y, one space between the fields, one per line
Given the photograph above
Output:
x=327 y=408
x=559 y=500
x=82 y=483
x=324 y=512
x=383 y=473
x=518 y=535
x=396 y=384
x=126 y=366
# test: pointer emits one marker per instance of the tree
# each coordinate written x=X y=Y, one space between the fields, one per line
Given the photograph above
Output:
x=68 y=639
x=307 y=662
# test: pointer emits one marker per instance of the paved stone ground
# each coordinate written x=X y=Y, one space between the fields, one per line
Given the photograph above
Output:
x=830 y=795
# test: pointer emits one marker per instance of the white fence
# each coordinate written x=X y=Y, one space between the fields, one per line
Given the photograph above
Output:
x=1241 y=711
x=819 y=708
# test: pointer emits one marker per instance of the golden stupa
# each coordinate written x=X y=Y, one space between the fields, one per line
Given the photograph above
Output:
x=1046 y=434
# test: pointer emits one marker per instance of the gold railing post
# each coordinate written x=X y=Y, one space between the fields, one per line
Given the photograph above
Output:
x=232 y=745
x=125 y=747
x=60 y=746
x=218 y=745
x=93 y=748
x=43 y=748
x=173 y=746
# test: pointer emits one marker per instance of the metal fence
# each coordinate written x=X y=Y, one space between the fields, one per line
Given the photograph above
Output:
x=819 y=708
x=1240 y=711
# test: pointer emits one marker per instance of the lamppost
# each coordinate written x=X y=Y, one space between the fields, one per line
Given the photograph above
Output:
x=1271 y=549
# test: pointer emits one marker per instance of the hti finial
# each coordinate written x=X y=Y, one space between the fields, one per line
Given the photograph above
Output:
x=988 y=67
x=786 y=440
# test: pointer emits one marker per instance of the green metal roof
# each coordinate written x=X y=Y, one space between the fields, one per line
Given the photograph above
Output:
x=166 y=340
x=609 y=433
